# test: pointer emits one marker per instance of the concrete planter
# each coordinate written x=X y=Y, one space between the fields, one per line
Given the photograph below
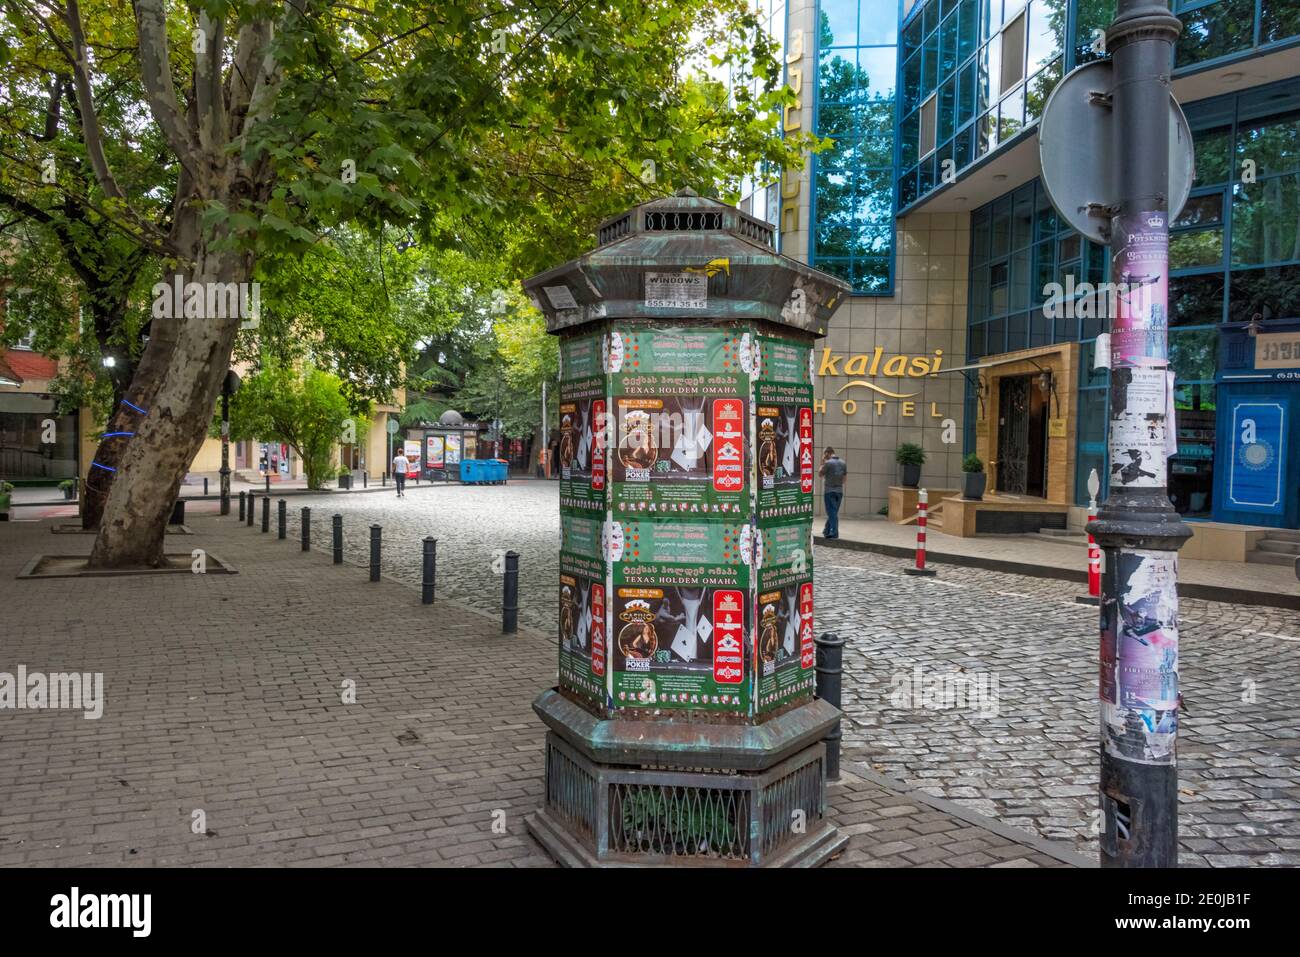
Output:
x=973 y=485
x=911 y=476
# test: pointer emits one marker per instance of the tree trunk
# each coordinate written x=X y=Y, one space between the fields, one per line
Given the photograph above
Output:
x=135 y=383
x=189 y=358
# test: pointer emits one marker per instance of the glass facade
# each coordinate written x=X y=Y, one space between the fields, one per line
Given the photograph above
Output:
x=975 y=74
x=853 y=195
x=761 y=191
x=24 y=425
x=1234 y=256
x=1215 y=30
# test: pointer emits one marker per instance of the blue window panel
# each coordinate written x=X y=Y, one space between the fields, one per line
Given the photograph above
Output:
x=1214 y=31
x=839 y=23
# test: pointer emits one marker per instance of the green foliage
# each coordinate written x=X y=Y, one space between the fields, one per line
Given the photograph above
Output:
x=972 y=463
x=685 y=825
x=307 y=411
x=883 y=510
x=909 y=453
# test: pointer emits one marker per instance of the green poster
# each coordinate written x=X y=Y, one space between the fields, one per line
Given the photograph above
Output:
x=580 y=357
x=636 y=350
x=677 y=637
x=581 y=457
x=582 y=629
x=784 y=644
x=785 y=553
x=580 y=533
x=785 y=360
x=784 y=450
x=668 y=542
x=680 y=456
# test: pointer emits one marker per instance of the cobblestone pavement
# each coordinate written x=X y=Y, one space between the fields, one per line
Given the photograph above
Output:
x=1034 y=764
x=225 y=739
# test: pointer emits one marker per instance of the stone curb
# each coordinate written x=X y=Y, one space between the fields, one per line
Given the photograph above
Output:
x=1236 y=596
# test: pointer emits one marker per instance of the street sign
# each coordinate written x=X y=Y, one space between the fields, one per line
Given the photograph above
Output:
x=1076 y=144
x=393 y=426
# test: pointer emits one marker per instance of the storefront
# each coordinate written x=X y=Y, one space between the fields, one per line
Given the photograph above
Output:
x=1258 y=482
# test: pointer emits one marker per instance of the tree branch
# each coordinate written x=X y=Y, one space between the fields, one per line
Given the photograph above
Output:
x=155 y=72
x=90 y=132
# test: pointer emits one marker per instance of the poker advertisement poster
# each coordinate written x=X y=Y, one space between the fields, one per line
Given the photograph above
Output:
x=583 y=627
x=783 y=424
x=581 y=458
x=677 y=637
x=784 y=651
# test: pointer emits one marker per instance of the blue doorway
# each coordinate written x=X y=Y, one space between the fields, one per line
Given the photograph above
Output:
x=1257 y=481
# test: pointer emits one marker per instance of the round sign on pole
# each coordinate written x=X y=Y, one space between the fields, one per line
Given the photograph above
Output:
x=393 y=426
x=1076 y=147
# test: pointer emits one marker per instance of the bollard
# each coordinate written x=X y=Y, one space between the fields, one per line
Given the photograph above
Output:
x=306 y=529
x=266 y=513
x=510 y=598
x=251 y=509
x=375 y=539
x=922 y=507
x=830 y=658
x=383 y=479
x=429 y=578
x=280 y=519
x=1094 y=565
x=338 y=539
x=365 y=479
x=205 y=485
x=241 y=506
x=268 y=483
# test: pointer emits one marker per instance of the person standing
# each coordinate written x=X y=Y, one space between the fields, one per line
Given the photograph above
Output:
x=401 y=465
x=832 y=472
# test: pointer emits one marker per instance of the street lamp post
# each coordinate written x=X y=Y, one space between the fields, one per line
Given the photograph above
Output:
x=228 y=388
x=1137 y=527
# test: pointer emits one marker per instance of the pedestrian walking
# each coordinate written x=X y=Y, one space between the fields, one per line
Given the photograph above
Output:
x=401 y=465
x=832 y=472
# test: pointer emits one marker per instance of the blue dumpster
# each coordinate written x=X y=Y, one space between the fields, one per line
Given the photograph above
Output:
x=483 y=471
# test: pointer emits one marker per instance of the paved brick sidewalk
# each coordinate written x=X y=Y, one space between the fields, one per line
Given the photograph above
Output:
x=223 y=695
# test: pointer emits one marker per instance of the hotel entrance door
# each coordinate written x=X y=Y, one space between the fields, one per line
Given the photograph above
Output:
x=1022 y=437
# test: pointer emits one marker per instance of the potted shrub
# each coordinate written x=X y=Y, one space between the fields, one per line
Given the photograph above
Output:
x=973 y=479
x=911 y=457
x=69 y=487
x=5 y=489
x=345 y=477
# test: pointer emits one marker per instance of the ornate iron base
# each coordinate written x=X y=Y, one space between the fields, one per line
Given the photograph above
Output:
x=672 y=794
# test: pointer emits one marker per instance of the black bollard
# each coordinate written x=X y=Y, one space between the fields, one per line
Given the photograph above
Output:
x=510 y=598
x=280 y=519
x=365 y=479
x=306 y=529
x=205 y=485
x=375 y=532
x=268 y=483
x=266 y=513
x=251 y=509
x=241 y=506
x=338 y=539
x=429 y=578
x=830 y=657
x=384 y=479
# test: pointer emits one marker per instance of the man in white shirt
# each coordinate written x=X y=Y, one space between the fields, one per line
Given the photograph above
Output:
x=401 y=465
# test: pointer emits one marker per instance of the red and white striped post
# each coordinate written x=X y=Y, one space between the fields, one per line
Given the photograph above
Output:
x=922 y=507
x=1094 y=552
